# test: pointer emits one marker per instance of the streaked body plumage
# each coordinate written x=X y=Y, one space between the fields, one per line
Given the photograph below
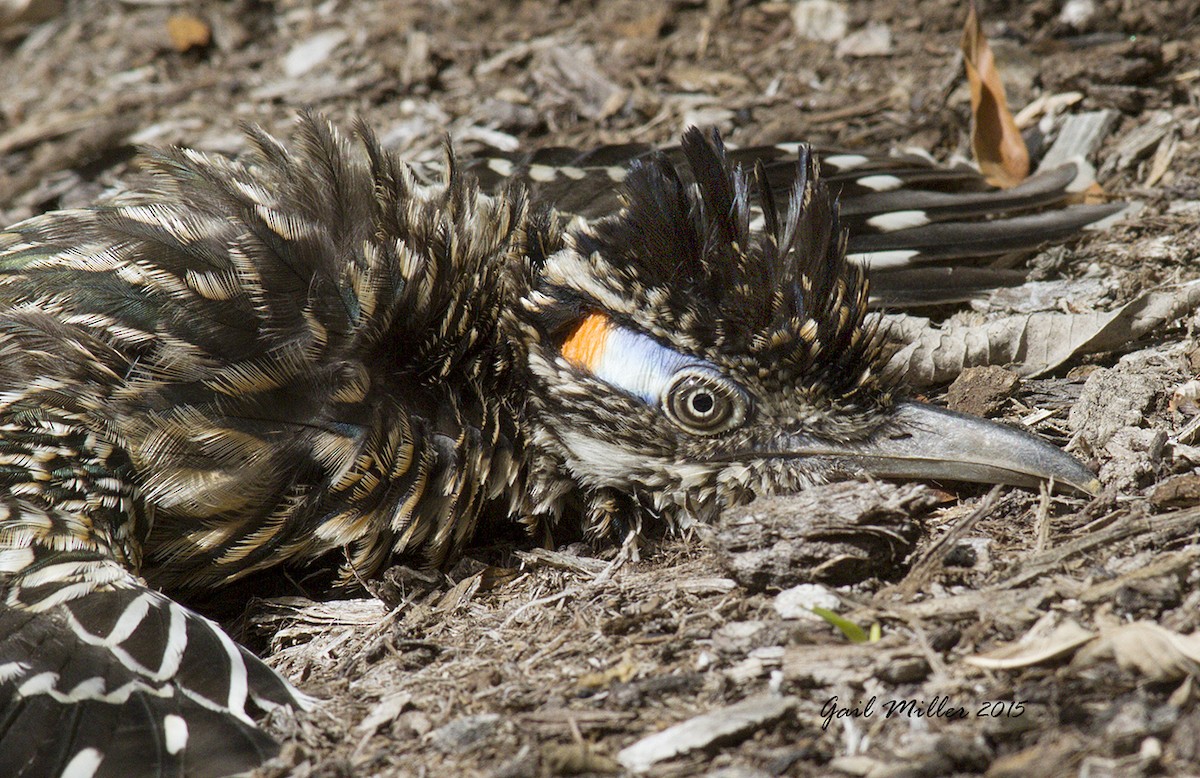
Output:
x=311 y=353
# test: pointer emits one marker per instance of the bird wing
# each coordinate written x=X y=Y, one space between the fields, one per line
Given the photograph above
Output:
x=243 y=364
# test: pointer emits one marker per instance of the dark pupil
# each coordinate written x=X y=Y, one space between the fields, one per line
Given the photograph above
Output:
x=702 y=402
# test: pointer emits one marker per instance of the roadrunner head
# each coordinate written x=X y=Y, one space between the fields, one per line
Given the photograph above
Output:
x=704 y=346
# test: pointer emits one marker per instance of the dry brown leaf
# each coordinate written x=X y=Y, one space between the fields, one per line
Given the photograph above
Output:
x=1034 y=343
x=1092 y=194
x=1034 y=647
x=188 y=32
x=1153 y=652
x=995 y=138
x=1186 y=399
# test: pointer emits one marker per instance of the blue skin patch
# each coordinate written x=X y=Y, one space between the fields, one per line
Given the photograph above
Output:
x=627 y=360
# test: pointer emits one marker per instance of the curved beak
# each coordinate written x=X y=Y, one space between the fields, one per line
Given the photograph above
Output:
x=924 y=441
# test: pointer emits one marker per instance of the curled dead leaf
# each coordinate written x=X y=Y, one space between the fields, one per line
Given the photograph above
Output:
x=1034 y=343
x=1035 y=647
x=1186 y=399
x=996 y=140
x=1143 y=647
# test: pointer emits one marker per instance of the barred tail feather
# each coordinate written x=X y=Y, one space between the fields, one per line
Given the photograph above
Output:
x=124 y=682
x=902 y=212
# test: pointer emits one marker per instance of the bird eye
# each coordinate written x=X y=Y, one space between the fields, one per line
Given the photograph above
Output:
x=704 y=402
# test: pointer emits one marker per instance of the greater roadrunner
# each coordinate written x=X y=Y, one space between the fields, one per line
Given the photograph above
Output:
x=255 y=363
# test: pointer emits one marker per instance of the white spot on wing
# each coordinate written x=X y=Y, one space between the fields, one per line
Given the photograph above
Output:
x=898 y=220
x=84 y=764
x=542 y=173
x=878 y=259
x=500 y=167
x=176 y=731
x=42 y=683
x=90 y=689
x=880 y=183
x=845 y=161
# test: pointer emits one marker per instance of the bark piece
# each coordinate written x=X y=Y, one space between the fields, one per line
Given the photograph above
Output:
x=835 y=534
x=1079 y=136
x=710 y=729
x=982 y=391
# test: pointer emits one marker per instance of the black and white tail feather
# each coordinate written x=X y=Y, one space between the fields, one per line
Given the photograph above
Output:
x=923 y=229
x=123 y=681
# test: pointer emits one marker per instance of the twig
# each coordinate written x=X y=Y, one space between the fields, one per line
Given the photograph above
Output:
x=933 y=557
x=628 y=553
x=1042 y=525
x=1161 y=528
x=565 y=593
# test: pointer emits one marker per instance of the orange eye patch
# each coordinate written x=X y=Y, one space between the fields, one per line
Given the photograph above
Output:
x=628 y=360
x=587 y=344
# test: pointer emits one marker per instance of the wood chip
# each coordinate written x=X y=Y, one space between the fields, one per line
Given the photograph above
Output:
x=1080 y=136
x=310 y=53
x=463 y=734
x=188 y=32
x=982 y=391
x=720 y=726
x=798 y=601
x=1160 y=165
x=384 y=712
x=820 y=20
x=538 y=557
x=874 y=40
x=1140 y=142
